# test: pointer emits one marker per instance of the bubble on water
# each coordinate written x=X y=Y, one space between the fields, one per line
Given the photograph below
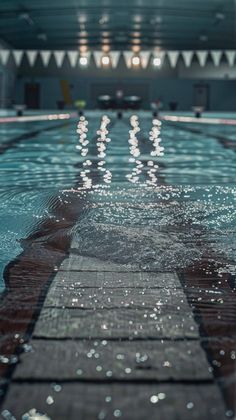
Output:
x=154 y=399
x=117 y=413
x=49 y=400
x=141 y=358
x=161 y=396
x=33 y=414
x=109 y=373
x=7 y=415
x=57 y=387
x=8 y=360
x=102 y=415
x=229 y=413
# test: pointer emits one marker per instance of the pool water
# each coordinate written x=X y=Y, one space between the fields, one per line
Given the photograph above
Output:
x=197 y=175
x=133 y=205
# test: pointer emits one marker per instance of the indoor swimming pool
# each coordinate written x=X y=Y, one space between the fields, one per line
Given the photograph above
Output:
x=104 y=189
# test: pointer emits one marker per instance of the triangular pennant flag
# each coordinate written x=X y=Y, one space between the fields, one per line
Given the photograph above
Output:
x=145 y=56
x=31 y=55
x=216 y=57
x=45 y=57
x=59 y=57
x=115 y=56
x=18 y=55
x=187 y=57
x=73 y=57
x=202 y=57
x=230 y=55
x=128 y=58
x=4 y=55
x=173 y=57
x=98 y=58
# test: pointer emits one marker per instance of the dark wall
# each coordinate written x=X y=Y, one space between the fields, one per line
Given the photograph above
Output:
x=151 y=84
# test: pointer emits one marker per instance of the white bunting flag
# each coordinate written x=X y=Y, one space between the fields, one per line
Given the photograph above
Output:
x=128 y=58
x=59 y=57
x=31 y=55
x=145 y=57
x=202 y=57
x=216 y=57
x=115 y=56
x=73 y=57
x=187 y=57
x=18 y=55
x=230 y=55
x=173 y=57
x=98 y=58
x=45 y=57
x=4 y=55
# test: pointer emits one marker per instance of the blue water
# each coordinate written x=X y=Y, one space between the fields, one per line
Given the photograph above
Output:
x=195 y=179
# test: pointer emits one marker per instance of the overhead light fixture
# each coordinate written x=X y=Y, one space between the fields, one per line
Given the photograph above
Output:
x=83 y=48
x=220 y=16
x=136 y=49
x=157 y=62
x=42 y=36
x=105 y=41
x=136 y=61
x=104 y=19
x=155 y=20
x=136 y=41
x=203 y=38
x=105 y=60
x=83 y=61
x=82 y=18
x=137 y=18
x=83 y=41
x=83 y=34
x=26 y=17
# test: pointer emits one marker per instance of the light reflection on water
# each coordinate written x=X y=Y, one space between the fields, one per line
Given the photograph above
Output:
x=91 y=158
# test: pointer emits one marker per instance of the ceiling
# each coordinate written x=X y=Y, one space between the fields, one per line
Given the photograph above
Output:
x=119 y=24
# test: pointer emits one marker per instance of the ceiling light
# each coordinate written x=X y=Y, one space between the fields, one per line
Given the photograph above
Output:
x=106 y=60
x=42 y=36
x=83 y=48
x=136 y=34
x=106 y=48
x=137 y=18
x=155 y=20
x=26 y=17
x=203 y=38
x=83 y=33
x=136 y=49
x=83 y=41
x=136 y=61
x=220 y=16
x=157 y=62
x=104 y=19
x=83 y=61
x=82 y=18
